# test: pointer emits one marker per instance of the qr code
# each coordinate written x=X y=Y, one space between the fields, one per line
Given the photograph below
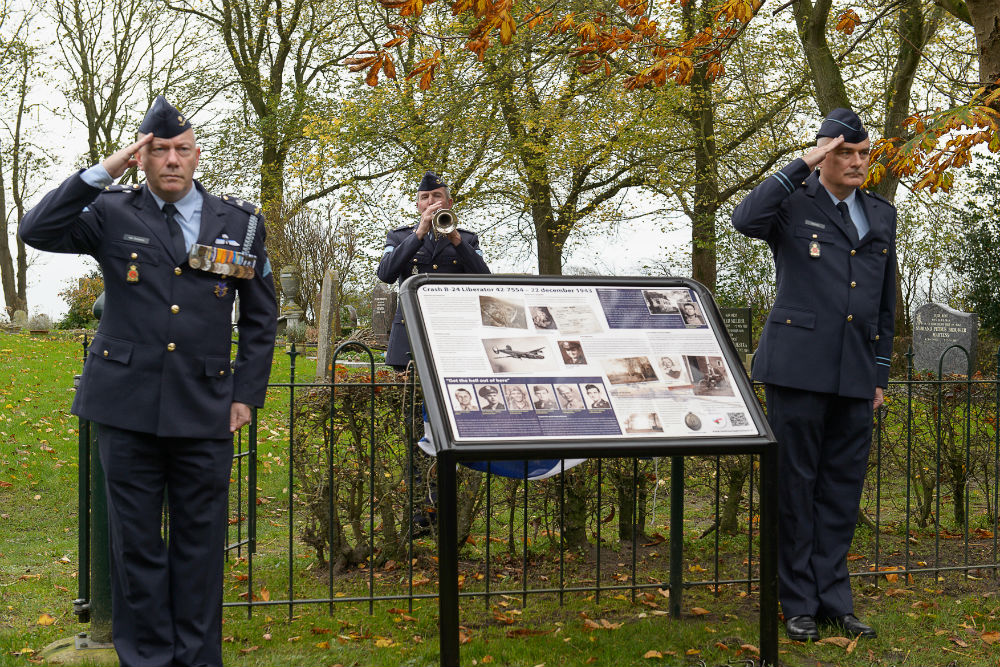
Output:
x=737 y=419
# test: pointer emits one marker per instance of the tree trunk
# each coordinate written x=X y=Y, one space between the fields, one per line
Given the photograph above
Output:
x=729 y=516
x=985 y=15
x=575 y=509
x=701 y=116
x=827 y=80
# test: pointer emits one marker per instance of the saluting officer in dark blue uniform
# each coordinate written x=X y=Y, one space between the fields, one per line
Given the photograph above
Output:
x=158 y=380
x=415 y=249
x=824 y=359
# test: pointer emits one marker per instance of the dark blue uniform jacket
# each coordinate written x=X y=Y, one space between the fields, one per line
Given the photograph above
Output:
x=406 y=255
x=830 y=329
x=159 y=362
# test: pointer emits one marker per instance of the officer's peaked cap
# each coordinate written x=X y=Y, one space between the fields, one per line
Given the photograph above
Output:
x=843 y=122
x=431 y=181
x=164 y=120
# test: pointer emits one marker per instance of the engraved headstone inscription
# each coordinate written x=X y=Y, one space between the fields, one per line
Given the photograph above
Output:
x=383 y=310
x=936 y=327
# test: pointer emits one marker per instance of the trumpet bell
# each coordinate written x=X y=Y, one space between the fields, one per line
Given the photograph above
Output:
x=444 y=222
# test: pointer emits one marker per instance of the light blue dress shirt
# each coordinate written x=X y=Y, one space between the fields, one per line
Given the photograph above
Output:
x=856 y=210
x=188 y=208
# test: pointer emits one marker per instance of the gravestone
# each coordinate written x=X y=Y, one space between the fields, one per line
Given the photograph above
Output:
x=936 y=327
x=383 y=310
x=19 y=318
x=739 y=324
x=328 y=305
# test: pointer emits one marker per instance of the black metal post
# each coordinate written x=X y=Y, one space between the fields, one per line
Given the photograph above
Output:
x=769 y=557
x=81 y=605
x=676 y=534
x=447 y=558
x=100 y=550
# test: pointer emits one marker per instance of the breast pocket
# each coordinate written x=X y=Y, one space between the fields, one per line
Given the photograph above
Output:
x=793 y=317
x=126 y=262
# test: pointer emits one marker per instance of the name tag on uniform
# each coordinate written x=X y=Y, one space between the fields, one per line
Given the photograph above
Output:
x=817 y=225
x=136 y=239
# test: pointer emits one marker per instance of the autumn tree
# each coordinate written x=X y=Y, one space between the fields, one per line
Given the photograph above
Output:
x=80 y=295
x=118 y=55
x=976 y=256
x=19 y=157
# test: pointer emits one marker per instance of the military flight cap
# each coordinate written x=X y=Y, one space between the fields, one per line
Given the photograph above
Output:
x=843 y=122
x=431 y=181
x=164 y=120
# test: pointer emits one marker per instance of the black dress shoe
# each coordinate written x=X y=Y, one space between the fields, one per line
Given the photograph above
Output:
x=850 y=626
x=802 y=628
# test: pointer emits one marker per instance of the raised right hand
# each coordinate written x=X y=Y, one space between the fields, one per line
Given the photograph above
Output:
x=123 y=159
x=426 y=218
x=819 y=153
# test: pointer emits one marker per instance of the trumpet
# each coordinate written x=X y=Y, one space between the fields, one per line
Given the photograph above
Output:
x=444 y=222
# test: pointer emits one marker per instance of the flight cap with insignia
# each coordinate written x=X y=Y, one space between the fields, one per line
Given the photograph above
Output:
x=164 y=120
x=843 y=122
x=431 y=181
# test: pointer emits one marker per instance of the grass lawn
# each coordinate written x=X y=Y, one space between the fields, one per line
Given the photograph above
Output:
x=947 y=620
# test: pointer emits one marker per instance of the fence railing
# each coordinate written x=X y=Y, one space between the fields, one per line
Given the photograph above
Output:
x=338 y=526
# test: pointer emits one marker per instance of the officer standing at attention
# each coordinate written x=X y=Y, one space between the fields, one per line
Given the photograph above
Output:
x=824 y=359
x=414 y=249
x=158 y=381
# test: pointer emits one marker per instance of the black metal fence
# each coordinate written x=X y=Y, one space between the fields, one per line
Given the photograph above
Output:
x=337 y=525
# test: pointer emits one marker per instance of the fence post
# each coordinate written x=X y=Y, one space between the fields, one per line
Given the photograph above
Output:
x=676 y=534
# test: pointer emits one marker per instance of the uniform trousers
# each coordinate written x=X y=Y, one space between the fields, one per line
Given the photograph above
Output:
x=166 y=594
x=823 y=444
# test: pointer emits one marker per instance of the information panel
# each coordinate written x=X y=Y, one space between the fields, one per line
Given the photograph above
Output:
x=563 y=362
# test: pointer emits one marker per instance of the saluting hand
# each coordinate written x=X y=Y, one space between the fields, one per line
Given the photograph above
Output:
x=817 y=154
x=124 y=159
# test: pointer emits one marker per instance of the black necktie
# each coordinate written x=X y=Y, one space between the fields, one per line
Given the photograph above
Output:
x=176 y=234
x=846 y=215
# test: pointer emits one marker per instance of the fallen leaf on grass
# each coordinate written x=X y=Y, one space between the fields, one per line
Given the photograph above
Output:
x=842 y=642
x=321 y=631
x=46 y=619
x=525 y=632
x=894 y=592
x=750 y=648
x=692 y=651
x=323 y=645
x=990 y=637
x=384 y=642
x=958 y=642
x=487 y=659
x=251 y=649
x=698 y=611
x=653 y=654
